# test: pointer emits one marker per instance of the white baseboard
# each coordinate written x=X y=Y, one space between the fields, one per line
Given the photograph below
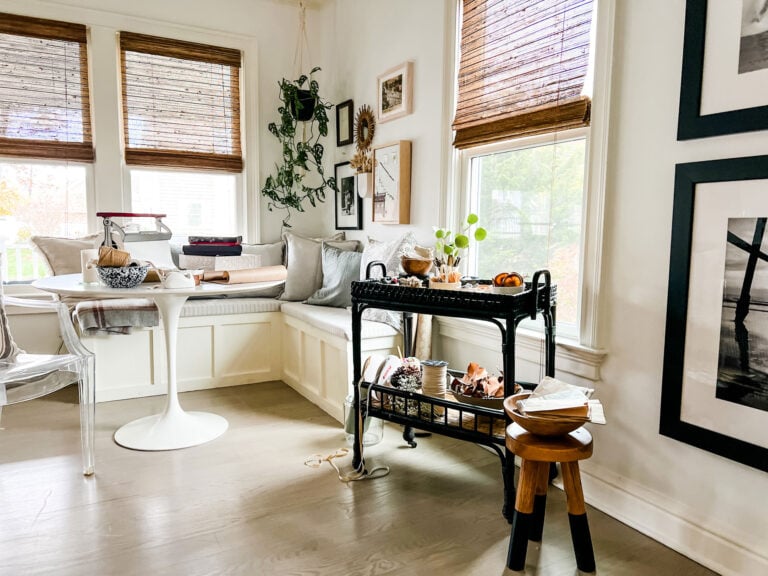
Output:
x=656 y=517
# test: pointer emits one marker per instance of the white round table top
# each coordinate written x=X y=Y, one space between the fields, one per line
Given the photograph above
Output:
x=72 y=285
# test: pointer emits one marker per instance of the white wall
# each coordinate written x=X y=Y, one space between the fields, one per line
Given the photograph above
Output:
x=369 y=38
x=707 y=507
x=703 y=504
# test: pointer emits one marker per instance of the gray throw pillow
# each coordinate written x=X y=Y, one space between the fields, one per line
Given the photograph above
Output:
x=271 y=254
x=303 y=260
x=340 y=268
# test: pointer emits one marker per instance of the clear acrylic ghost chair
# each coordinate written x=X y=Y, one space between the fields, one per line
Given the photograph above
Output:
x=29 y=376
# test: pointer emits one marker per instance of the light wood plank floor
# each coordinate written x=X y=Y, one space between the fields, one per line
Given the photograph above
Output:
x=246 y=503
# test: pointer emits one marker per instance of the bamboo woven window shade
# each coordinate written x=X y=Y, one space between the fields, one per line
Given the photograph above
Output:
x=522 y=69
x=45 y=107
x=181 y=103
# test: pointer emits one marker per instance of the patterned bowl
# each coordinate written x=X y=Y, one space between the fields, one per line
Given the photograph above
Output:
x=122 y=276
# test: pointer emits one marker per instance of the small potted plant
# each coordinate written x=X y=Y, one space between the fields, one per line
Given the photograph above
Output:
x=448 y=249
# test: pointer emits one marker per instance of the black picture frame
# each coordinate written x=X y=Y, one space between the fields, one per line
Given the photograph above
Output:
x=691 y=123
x=344 y=123
x=348 y=206
x=687 y=178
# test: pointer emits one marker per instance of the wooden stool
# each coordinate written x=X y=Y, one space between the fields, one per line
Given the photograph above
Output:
x=537 y=453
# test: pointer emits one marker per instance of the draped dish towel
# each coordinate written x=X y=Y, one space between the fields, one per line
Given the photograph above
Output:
x=116 y=316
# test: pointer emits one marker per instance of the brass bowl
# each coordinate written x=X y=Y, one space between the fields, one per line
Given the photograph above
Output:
x=415 y=266
x=534 y=425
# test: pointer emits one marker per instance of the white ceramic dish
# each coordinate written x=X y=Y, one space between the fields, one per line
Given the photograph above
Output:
x=507 y=289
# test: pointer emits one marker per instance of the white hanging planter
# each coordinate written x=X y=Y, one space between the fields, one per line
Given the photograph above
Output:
x=365 y=184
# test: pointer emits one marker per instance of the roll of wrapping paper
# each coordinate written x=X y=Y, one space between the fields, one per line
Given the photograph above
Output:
x=263 y=274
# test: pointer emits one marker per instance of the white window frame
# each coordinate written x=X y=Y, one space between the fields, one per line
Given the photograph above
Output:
x=240 y=193
x=582 y=354
x=466 y=200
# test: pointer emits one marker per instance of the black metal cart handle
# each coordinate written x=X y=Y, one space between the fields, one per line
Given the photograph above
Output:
x=375 y=264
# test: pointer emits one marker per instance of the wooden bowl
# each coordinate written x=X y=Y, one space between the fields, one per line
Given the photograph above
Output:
x=534 y=425
x=415 y=266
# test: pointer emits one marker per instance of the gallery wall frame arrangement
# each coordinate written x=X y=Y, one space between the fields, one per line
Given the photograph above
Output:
x=392 y=183
x=394 y=89
x=344 y=123
x=725 y=45
x=348 y=206
x=715 y=377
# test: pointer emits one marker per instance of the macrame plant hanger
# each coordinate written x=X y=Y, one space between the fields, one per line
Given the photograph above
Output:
x=302 y=43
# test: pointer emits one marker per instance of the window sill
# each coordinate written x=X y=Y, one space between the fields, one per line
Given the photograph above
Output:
x=570 y=356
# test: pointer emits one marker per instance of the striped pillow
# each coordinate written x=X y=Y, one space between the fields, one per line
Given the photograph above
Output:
x=8 y=348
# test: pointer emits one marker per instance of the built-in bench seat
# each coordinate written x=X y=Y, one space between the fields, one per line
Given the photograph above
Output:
x=226 y=306
x=232 y=341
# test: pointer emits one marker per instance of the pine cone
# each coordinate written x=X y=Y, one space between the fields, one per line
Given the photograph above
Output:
x=407 y=378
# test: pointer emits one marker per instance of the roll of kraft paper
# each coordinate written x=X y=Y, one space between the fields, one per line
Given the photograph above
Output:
x=263 y=274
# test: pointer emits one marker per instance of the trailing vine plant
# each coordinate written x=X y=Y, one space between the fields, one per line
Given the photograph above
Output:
x=302 y=153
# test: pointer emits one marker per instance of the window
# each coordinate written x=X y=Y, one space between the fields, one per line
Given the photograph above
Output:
x=522 y=127
x=181 y=110
x=529 y=197
x=38 y=198
x=197 y=203
x=45 y=137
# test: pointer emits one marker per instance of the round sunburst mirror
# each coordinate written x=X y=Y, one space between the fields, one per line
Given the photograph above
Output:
x=365 y=126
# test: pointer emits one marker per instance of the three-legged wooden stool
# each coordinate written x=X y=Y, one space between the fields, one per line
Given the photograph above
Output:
x=537 y=452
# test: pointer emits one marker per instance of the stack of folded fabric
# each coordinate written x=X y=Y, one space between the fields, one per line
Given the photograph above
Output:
x=217 y=253
x=213 y=246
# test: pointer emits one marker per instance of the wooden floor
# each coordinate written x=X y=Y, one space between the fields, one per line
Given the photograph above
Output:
x=247 y=504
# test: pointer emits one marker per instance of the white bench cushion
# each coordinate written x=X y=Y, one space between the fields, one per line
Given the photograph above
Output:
x=224 y=306
x=335 y=321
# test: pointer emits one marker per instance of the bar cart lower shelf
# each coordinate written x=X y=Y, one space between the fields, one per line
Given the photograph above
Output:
x=448 y=416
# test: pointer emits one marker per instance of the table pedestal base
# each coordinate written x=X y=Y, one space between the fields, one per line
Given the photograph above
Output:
x=178 y=429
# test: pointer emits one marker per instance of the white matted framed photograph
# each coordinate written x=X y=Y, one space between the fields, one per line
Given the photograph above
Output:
x=395 y=90
x=348 y=205
x=726 y=44
x=715 y=380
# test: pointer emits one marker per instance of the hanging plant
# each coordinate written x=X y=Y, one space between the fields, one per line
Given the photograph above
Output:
x=302 y=153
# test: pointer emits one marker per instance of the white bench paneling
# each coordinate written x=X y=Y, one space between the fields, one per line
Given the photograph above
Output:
x=213 y=351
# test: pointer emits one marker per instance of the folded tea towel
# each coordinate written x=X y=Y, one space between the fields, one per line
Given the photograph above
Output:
x=116 y=316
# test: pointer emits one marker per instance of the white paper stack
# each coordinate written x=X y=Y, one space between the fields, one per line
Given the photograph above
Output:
x=219 y=263
x=555 y=399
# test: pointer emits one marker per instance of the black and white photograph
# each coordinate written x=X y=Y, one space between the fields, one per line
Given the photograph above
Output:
x=391 y=93
x=753 y=52
x=394 y=92
x=348 y=205
x=715 y=377
x=742 y=374
x=725 y=44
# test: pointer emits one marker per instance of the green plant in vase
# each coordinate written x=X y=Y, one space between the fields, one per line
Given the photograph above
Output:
x=449 y=246
x=303 y=122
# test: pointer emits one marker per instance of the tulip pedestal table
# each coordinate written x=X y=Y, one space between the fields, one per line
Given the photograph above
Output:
x=174 y=427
